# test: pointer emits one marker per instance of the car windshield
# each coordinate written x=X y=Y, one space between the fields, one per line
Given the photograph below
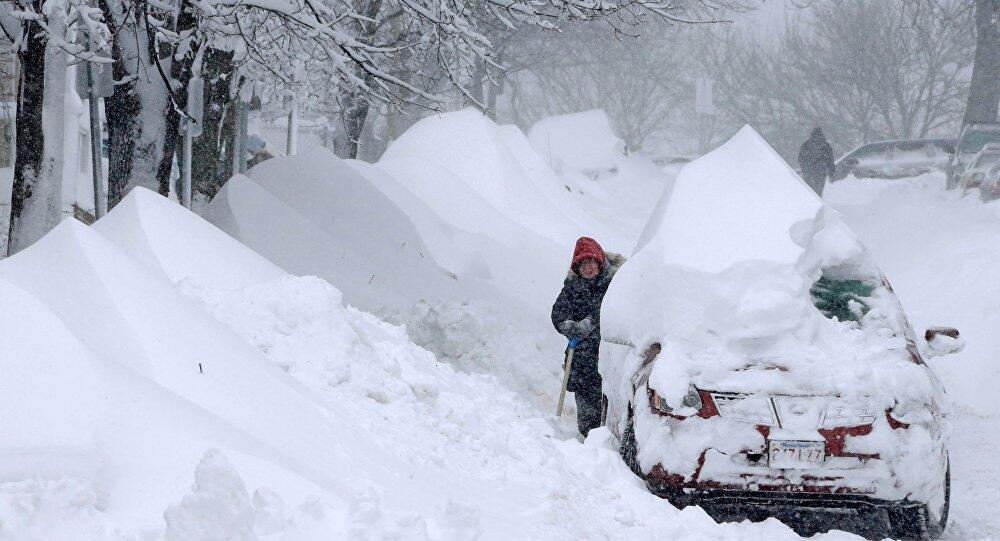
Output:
x=987 y=159
x=878 y=151
x=975 y=141
x=843 y=300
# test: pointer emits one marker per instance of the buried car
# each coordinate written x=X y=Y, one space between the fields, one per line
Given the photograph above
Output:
x=770 y=369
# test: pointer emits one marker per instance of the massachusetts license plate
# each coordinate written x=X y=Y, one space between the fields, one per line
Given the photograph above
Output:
x=795 y=454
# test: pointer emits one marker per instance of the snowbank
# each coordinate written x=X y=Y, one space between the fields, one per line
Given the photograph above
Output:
x=173 y=381
x=314 y=214
x=167 y=382
x=476 y=150
x=168 y=239
x=582 y=142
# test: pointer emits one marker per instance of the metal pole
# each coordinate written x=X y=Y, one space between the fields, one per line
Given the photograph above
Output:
x=292 y=143
x=186 y=167
x=97 y=170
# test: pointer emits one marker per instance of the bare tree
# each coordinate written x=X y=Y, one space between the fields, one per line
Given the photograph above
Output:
x=641 y=82
x=862 y=70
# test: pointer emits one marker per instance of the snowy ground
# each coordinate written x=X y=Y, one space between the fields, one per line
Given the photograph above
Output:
x=940 y=251
x=215 y=396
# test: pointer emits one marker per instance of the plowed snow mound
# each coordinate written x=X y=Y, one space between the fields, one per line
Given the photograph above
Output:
x=582 y=142
x=476 y=150
x=314 y=214
x=170 y=240
x=177 y=380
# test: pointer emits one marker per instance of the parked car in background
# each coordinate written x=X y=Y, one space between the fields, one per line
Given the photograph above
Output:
x=980 y=163
x=971 y=140
x=895 y=159
x=989 y=188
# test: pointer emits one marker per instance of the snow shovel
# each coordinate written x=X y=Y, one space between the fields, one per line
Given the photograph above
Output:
x=566 y=370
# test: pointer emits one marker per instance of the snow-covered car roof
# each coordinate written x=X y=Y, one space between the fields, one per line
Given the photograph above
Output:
x=735 y=276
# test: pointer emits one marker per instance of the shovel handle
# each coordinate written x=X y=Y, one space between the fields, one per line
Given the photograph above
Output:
x=565 y=381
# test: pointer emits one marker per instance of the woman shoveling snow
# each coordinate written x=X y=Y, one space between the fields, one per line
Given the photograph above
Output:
x=576 y=314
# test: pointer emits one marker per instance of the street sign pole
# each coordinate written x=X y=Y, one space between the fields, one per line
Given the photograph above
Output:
x=96 y=163
x=97 y=169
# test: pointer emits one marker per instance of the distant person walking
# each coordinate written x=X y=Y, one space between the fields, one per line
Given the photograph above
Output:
x=576 y=314
x=816 y=161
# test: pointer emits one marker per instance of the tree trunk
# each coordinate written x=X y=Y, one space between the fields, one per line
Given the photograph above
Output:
x=355 y=106
x=984 y=90
x=29 y=135
x=475 y=97
x=36 y=202
x=181 y=72
x=212 y=160
x=353 y=115
x=137 y=111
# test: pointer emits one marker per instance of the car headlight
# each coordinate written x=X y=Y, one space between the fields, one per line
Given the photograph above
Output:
x=690 y=405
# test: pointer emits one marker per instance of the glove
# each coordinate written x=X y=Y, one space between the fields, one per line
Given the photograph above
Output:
x=577 y=328
x=585 y=327
x=573 y=342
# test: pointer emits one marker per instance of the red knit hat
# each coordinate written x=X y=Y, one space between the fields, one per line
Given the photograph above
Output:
x=587 y=248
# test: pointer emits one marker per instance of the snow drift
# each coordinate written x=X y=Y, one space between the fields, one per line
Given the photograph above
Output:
x=168 y=240
x=476 y=151
x=583 y=142
x=314 y=214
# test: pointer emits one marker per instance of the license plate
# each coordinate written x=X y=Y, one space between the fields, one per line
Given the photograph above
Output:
x=795 y=454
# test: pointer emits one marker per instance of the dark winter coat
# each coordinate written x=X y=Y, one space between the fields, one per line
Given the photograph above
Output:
x=816 y=156
x=579 y=299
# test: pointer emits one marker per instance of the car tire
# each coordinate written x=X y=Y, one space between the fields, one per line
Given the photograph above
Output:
x=628 y=448
x=918 y=522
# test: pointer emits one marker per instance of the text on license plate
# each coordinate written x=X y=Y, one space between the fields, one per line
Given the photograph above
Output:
x=797 y=454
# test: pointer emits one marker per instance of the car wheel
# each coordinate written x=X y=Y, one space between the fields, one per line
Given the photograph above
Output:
x=919 y=522
x=628 y=449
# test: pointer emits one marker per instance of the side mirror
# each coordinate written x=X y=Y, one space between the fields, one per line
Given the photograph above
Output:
x=851 y=162
x=943 y=341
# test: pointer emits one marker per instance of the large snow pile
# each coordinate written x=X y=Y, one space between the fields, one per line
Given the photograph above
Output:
x=582 y=142
x=490 y=208
x=166 y=240
x=314 y=214
x=476 y=151
x=137 y=407
x=155 y=381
